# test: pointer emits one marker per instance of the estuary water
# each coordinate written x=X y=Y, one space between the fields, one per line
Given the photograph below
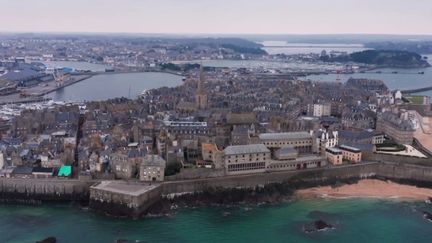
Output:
x=130 y=85
x=108 y=86
x=76 y=65
x=393 y=78
x=355 y=220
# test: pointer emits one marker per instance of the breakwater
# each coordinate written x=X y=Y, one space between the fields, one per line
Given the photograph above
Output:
x=419 y=90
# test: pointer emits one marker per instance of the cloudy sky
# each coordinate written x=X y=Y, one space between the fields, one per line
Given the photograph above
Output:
x=218 y=16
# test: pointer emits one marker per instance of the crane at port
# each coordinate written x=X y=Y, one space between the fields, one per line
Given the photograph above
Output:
x=60 y=76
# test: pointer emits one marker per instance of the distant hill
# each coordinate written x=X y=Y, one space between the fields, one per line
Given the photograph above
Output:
x=382 y=58
x=423 y=47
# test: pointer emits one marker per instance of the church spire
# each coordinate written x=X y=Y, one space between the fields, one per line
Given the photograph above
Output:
x=201 y=98
x=201 y=79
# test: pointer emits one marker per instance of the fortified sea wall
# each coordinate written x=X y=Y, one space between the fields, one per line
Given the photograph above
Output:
x=37 y=190
x=406 y=173
x=29 y=190
x=312 y=176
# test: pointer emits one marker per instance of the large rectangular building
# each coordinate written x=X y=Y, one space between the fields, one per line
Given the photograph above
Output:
x=400 y=130
x=320 y=110
x=246 y=159
x=301 y=141
x=300 y=163
x=351 y=154
x=334 y=156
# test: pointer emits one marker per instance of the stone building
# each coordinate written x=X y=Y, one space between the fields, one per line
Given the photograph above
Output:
x=334 y=156
x=323 y=139
x=320 y=109
x=152 y=168
x=300 y=163
x=212 y=155
x=240 y=135
x=286 y=153
x=246 y=159
x=401 y=130
x=351 y=154
x=121 y=166
x=358 y=120
x=337 y=155
x=360 y=137
x=186 y=129
x=301 y=141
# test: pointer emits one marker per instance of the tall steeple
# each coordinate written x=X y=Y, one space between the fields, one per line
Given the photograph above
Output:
x=201 y=98
x=201 y=80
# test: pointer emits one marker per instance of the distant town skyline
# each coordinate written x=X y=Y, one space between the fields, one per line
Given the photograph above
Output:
x=219 y=17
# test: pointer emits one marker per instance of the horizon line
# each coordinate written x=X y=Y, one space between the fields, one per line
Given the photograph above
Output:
x=203 y=33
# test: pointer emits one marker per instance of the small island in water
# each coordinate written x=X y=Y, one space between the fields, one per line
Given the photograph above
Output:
x=382 y=59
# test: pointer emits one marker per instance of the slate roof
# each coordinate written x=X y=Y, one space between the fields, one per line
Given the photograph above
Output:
x=22 y=170
x=153 y=160
x=246 y=149
x=284 y=136
x=21 y=74
x=241 y=118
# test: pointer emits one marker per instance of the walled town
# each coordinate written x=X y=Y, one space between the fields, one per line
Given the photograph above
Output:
x=219 y=123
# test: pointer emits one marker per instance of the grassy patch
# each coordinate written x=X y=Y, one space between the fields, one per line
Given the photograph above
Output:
x=416 y=99
x=390 y=146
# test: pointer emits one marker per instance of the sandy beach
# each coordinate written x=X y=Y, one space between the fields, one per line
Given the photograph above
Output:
x=369 y=189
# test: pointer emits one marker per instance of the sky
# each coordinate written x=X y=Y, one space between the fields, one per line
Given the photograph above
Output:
x=218 y=16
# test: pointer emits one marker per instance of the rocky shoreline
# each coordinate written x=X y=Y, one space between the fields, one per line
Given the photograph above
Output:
x=270 y=194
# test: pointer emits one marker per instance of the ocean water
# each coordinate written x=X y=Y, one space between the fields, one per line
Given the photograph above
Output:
x=356 y=220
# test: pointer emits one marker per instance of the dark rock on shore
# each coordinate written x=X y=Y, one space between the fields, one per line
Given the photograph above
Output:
x=50 y=239
x=318 y=225
x=269 y=194
x=427 y=216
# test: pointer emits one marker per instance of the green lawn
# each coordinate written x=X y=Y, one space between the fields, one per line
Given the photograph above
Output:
x=416 y=99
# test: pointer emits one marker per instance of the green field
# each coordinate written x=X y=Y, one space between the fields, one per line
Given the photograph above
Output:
x=416 y=99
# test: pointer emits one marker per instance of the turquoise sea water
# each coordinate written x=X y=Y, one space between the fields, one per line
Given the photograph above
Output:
x=356 y=220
